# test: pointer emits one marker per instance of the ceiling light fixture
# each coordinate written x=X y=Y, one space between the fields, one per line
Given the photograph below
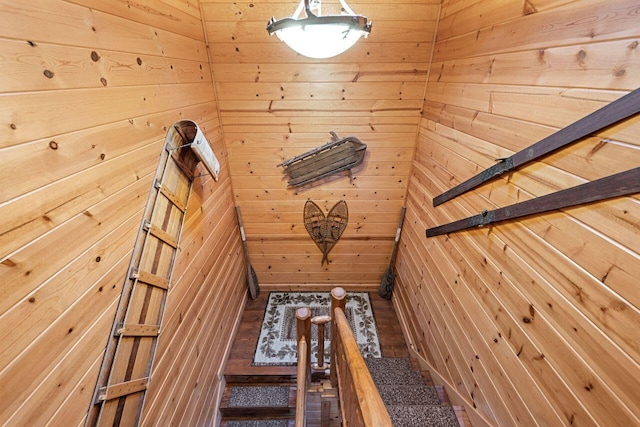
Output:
x=317 y=36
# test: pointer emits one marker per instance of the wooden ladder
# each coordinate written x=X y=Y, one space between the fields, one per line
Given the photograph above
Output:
x=126 y=367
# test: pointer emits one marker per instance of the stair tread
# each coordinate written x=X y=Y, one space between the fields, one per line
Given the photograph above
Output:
x=393 y=371
x=409 y=395
x=422 y=415
x=258 y=423
x=273 y=379
x=259 y=396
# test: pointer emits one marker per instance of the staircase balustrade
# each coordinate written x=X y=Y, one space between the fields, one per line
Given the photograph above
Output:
x=303 y=324
x=360 y=401
x=320 y=321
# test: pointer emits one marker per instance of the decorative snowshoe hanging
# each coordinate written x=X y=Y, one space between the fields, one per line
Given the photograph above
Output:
x=325 y=231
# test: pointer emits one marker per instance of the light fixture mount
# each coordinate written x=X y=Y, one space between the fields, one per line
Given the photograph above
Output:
x=317 y=36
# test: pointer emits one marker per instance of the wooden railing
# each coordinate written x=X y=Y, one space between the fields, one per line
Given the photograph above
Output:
x=360 y=401
x=303 y=316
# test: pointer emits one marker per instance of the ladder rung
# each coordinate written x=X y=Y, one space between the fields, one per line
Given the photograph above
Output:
x=138 y=330
x=122 y=389
x=162 y=235
x=151 y=279
x=171 y=197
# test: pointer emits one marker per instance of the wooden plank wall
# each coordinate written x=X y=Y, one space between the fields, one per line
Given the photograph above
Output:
x=89 y=89
x=276 y=104
x=533 y=322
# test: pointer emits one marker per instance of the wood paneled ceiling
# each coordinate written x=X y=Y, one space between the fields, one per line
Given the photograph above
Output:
x=275 y=104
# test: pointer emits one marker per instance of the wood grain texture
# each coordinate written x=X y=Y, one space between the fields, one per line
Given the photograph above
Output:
x=518 y=319
x=526 y=323
x=276 y=104
x=89 y=90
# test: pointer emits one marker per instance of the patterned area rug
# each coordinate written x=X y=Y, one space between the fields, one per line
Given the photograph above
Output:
x=277 y=344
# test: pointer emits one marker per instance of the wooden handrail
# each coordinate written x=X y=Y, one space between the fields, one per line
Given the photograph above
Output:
x=303 y=326
x=359 y=396
x=301 y=393
x=360 y=401
x=338 y=300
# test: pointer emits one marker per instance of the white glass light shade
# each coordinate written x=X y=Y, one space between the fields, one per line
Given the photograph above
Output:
x=318 y=36
x=321 y=40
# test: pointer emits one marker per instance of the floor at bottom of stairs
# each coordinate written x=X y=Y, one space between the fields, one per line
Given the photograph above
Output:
x=392 y=344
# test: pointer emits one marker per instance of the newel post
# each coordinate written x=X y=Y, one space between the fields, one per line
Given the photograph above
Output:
x=338 y=300
x=303 y=326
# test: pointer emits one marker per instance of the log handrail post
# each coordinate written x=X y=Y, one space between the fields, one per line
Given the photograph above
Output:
x=301 y=392
x=338 y=300
x=321 y=322
x=303 y=316
x=303 y=329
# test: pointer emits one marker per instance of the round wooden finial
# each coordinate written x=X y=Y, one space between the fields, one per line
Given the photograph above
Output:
x=303 y=313
x=338 y=293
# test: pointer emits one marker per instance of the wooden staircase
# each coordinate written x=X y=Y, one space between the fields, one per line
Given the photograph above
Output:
x=322 y=408
x=252 y=400
x=410 y=396
x=322 y=402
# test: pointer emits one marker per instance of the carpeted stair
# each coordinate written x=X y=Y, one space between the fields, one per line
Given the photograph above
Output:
x=410 y=402
x=258 y=402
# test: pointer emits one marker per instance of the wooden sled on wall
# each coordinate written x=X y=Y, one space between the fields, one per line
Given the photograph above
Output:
x=337 y=155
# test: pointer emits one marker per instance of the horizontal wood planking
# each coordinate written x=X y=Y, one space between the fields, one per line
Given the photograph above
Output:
x=49 y=67
x=610 y=65
x=262 y=12
x=39 y=163
x=177 y=18
x=483 y=13
x=386 y=52
x=323 y=90
x=276 y=104
x=298 y=115
x=556 y=107
x=561 y=26
x=89 y=90
x=610 y=326
x=63 y=23
x=540 y=304
x=543 y=288
x=192 y=306
x=74 y=110
x=320 y=72
x=24 y=223
x=254 y=31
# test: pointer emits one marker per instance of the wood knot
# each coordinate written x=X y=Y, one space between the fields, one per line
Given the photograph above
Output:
x=139 y=61
x=48 y=74
x=94 y=56
x=53 y=145
x=619 y=72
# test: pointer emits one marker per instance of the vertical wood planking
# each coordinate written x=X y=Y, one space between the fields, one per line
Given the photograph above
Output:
x=548 y=301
